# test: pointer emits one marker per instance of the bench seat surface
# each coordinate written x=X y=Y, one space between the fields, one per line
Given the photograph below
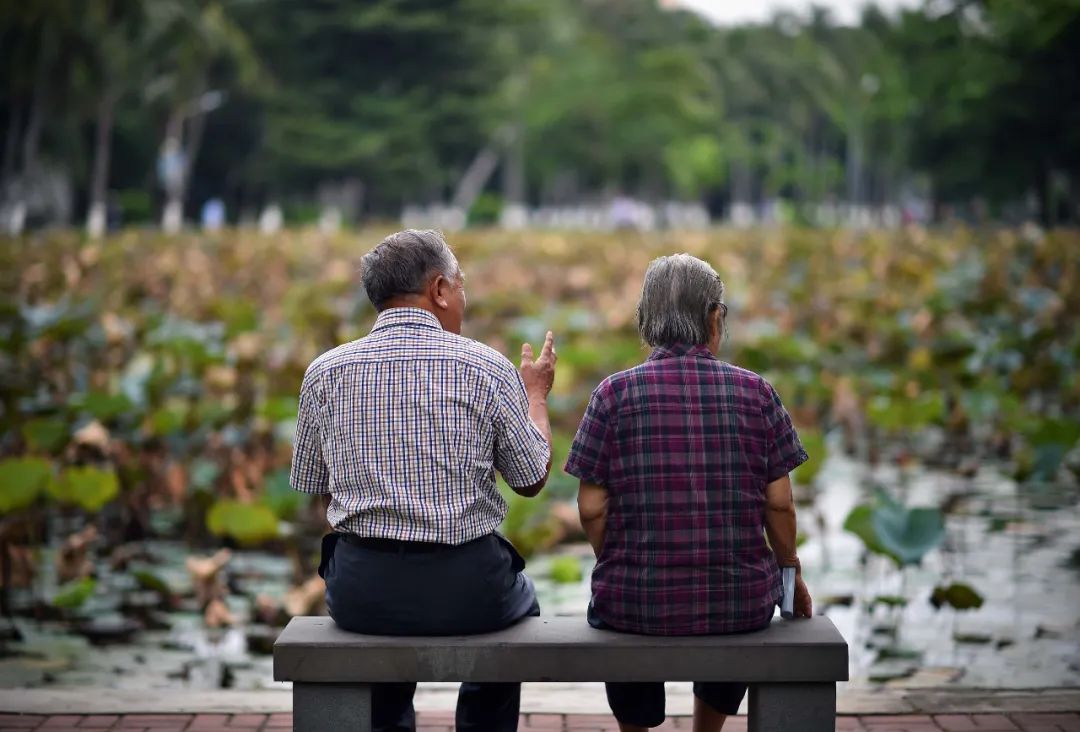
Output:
x=315 y=650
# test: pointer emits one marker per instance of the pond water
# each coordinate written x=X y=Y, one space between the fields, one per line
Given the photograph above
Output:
x=1019 y=552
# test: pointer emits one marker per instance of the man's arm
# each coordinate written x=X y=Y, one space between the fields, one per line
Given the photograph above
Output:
x=308 y=473
x=592 y=508
x=780 y=527
x=538 y=376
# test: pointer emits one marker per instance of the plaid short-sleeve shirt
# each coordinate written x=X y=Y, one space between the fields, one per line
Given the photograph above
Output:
x=406 y=427
x=685 y=445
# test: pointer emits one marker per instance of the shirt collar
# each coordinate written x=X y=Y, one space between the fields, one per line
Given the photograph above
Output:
x=405 y=316
x=676 y=350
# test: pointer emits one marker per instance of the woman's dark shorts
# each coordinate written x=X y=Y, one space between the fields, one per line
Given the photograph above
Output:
x=644 y=704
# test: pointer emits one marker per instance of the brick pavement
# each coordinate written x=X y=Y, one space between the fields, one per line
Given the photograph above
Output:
x=444 y=721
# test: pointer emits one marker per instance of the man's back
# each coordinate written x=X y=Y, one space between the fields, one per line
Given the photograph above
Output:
x=412 y=421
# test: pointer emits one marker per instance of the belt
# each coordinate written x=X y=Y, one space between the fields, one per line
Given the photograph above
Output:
x=394 y=545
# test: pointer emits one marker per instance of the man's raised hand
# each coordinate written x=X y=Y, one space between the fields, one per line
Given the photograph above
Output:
x=539 y=374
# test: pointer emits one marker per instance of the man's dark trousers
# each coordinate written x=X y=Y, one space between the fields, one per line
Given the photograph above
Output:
x=385 y=587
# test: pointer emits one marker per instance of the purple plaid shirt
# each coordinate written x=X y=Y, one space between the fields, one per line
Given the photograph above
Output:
x=685 y=445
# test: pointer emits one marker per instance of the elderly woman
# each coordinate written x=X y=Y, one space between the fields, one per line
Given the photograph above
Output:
x=683 y=462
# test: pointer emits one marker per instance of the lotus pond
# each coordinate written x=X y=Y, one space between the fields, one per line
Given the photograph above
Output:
x=149 y=538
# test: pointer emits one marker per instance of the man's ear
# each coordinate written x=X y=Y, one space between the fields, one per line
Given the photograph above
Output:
x=439 y=290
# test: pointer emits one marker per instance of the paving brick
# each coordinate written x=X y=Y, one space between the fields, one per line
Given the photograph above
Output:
x=975 y=723
x=550 y=721
x=1047 y=722
x=155 y=720
x=99 y=721
x=20 y=721
x=894 y=721
x=849 y=724
x=279 y=720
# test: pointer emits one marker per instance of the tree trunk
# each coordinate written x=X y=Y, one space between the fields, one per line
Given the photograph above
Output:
x=32 y=136
x=97 y=214
x=172 y=217
x=854 y=160
x=11 y=143
x=514 y=213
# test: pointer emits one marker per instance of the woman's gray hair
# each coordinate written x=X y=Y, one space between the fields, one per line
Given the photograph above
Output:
x=679 y=295
x=403 y=264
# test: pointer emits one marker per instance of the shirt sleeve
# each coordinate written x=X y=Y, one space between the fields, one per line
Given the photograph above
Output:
x=590 y=453
x=309 y=473
x=522 y=452
x=784 y=449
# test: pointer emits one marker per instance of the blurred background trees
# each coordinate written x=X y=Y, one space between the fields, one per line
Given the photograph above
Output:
x=152 y=108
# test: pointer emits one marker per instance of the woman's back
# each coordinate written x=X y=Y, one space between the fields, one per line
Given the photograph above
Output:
x=684 y=445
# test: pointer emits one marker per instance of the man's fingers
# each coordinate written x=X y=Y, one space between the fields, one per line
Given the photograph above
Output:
x=526 y=354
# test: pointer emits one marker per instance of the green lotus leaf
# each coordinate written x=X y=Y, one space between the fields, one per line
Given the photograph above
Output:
x=85 y=486
x=566 y=570
x=280 y=497
x=958 y=595
x=46 y=434
x=22 y=480
x=907 y=534
x=74 y=595
x=247 y=523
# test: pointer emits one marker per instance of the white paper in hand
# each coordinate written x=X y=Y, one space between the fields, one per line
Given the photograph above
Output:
x=787 y=602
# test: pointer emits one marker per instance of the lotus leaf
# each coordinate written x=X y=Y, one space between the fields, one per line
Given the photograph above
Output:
x=85 y=486
x=814 y=444
x=74 y=595
x=247 y=523
x=957 y=595
x=279 y=496
x=566 y=570
x=22 y=480
x=907 y=534
x=46 y=434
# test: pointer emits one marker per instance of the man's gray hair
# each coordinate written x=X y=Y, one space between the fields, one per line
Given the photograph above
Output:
x=679 y=294
x=403 y=264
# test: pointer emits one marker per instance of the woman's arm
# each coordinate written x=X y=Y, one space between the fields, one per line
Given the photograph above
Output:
x=781 y=530
x=592 y=507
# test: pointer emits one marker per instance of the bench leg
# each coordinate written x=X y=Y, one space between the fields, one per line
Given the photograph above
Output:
x=802 y=707
x=331 y=707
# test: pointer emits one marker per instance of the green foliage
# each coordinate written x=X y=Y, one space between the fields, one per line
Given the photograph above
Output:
x=566 y=570
x=102 y=406
x=22 y=480
x=46 y=434
x=148 y=580
x=814 y=443
x=280 y=498
x=901 y=413
x=903 y=534
x=85 y=486
x=957 y=595
x=247 y=523
x=889 y=601
x=629 y=95
x=74 y=595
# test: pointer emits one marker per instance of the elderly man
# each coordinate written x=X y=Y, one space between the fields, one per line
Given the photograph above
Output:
x=404 y=430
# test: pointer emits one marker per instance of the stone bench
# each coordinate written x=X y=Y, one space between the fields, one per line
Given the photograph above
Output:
x=792 y=667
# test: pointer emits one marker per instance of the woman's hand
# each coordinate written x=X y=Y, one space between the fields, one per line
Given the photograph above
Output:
x=803 y=605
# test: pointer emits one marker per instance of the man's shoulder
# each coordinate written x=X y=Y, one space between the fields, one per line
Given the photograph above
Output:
x=334 y=357
x=442 y=346
x=481 y=356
